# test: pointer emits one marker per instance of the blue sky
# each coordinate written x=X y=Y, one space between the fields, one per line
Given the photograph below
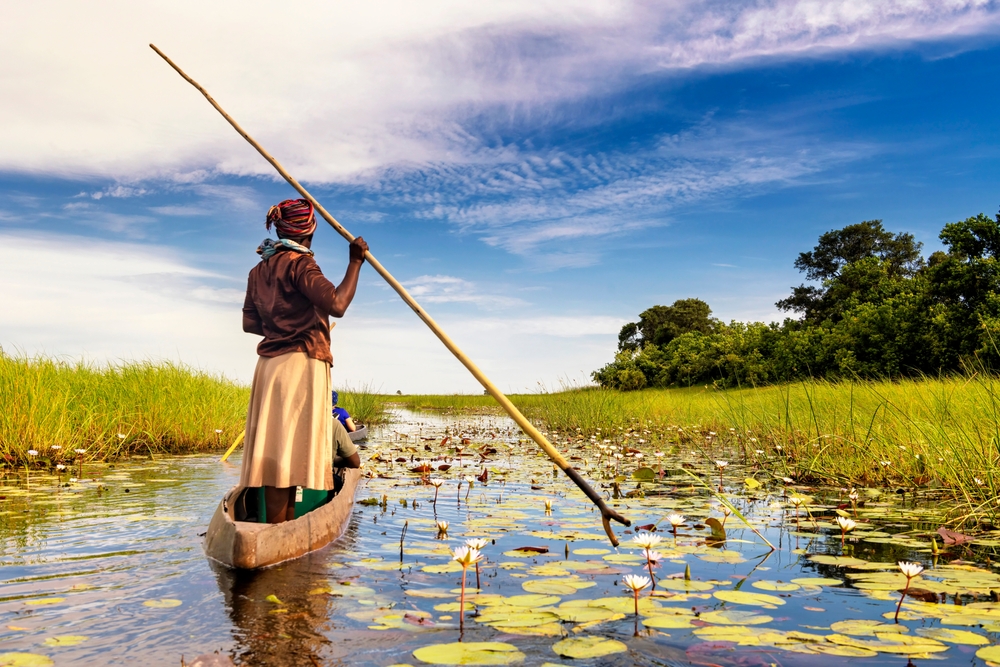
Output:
x=537 y=174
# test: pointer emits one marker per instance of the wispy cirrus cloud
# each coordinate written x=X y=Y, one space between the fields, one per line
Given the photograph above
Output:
x=531 y=202
x=449 y=289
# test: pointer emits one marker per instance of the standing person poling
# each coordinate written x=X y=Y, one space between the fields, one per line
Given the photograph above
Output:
x=288 y=301
x=342 y=415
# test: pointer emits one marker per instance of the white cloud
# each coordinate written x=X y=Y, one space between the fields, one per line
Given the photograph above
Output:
x=449 y=289
x=359 y=86
x=111 y=301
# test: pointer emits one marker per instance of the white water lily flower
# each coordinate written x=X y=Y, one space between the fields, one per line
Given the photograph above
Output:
x=73 y=479
x=548 y=505
x=32 y=452
x=477 y=543
x=470 y=479
x=653 y=556
x=910 y=569
x=80 y=451
x=722 y=464
x=846 y=525
x=646 y=540
x=55 y=447
x=121 y=436
x=442 y=526
x=60 y=467
x=218 y=430
x=759 y=451
x=436 y=483
x=978 y=481
x=854 y=496
x=466 y=556
x=886 y=463
x=658 y=454
x=795 y=500
x=635 y=582
x=638 y=456
x=675 y=519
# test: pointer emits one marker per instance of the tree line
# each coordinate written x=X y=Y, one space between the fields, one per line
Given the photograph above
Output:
x=872 y=307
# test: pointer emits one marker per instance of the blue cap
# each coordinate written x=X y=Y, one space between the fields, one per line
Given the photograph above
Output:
x=335 y=397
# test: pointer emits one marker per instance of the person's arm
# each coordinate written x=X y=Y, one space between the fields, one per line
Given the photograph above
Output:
x=334 y=300
x=352 y=461
x=345 y=453
x=350 y=425
x=251 y=318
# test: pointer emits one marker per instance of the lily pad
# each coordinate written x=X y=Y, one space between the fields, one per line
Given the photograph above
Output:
x=752 y=599
x=817 y=581
x=469 y=653
x=685 y=586
x=778 y=586
x=65 y=640
x=24 y=660
x=843 y=651
x=735 y=617
x=954 y=636
x=865 y=628
x=588 y=647
x=668 y=622
x=164 y=603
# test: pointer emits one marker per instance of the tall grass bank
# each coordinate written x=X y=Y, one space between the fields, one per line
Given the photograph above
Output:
x=55 y=408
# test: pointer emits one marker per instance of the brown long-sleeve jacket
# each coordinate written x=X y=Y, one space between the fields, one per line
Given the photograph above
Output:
x=288 y=302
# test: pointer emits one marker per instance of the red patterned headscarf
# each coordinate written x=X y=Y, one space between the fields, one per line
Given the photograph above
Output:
x=292 y=217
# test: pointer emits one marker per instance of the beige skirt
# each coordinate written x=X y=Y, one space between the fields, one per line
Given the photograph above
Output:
x=288 y=424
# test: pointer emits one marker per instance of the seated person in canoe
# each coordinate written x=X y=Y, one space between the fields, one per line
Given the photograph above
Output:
x=342 y=415
x=288 y=440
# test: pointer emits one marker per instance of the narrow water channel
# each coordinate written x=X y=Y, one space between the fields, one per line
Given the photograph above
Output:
x=109 y=569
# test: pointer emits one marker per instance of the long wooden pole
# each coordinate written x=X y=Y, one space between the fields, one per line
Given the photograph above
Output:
x=515 y=414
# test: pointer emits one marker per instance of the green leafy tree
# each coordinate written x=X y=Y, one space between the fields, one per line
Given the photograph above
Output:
x=661 y=324
x=829 y=262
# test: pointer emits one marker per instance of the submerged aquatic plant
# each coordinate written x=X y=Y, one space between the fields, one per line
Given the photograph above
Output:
x=911 y=570
x=465 y=556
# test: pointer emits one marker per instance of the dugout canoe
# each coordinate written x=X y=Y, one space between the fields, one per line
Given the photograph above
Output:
x=360 y=434
x=247 y=545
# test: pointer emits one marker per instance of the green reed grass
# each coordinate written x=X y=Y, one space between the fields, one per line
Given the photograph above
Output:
x=365 y=405
x=112 y=411
x=927 y=433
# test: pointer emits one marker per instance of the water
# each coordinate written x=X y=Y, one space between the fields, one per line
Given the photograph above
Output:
x=111 y=570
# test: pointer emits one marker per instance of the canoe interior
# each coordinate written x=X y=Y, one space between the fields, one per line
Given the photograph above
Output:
x=250 y=546
x=360 y=434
